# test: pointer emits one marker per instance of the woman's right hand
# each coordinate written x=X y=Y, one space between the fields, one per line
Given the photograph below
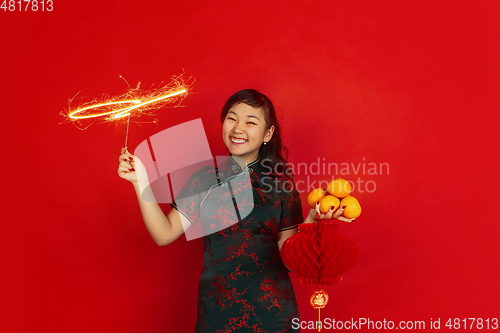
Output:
x=316 y=216
x=126 y=168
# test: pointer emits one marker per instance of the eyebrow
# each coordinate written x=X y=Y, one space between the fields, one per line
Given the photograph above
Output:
x=249 y=116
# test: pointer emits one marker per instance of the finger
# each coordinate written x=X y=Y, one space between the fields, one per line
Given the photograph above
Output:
x=318 y=212
x=344 y=219
x=339 y=211
x=126 y=169
x=122 y=172
x=126 y=158
x=126 y=164
x=123 y=157
x=124 y=151
x=329 y=214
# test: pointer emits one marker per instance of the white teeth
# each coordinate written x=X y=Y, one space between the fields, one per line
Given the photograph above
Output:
x=238 y=140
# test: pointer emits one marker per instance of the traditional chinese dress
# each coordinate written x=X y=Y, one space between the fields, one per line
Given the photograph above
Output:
x=244 y=285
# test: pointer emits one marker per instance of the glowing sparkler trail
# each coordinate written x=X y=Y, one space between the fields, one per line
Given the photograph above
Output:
x=141 y=102
x=96 y=106
x=125 y=111
x=120 y=112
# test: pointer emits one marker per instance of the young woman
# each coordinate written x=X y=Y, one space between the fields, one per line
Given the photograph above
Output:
x=244 y=285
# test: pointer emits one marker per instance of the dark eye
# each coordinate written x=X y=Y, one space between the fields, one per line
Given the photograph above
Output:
x=251 y=123
x=230 y=118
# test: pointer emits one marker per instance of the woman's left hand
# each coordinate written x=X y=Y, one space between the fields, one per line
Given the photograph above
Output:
x=315 y=215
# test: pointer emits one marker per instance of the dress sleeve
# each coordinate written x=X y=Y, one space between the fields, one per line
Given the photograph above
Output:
x=187 y=202
x=291 y=208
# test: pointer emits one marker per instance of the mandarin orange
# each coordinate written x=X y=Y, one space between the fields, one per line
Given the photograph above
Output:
x=327 y=202
x=352 y=209
x=315 y=196
x=339 y=188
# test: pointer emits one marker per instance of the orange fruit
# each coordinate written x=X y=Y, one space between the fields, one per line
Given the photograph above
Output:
x=352 y=209
x=315 y=196
x=327 y=202
x=339 y=188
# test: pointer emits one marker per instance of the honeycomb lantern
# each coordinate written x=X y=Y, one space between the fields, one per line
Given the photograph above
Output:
x=319 y=253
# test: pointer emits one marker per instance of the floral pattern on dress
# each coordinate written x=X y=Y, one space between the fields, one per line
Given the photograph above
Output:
x=244 y=285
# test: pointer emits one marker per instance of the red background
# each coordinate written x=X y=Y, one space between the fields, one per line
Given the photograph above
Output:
x=412 y=84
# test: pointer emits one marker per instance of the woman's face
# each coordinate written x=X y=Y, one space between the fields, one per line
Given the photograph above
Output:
x=244 y=131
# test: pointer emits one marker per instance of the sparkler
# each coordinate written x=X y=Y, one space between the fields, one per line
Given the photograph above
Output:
x=134 y=103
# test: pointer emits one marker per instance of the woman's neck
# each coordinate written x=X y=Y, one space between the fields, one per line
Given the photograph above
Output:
x=243 y=161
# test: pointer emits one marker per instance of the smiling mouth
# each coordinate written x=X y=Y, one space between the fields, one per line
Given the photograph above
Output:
x=238 y=141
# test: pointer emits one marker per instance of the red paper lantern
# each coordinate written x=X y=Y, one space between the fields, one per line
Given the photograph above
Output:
x=319 y=253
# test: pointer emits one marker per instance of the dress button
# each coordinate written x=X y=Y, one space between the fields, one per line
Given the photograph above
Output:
x=250 y=170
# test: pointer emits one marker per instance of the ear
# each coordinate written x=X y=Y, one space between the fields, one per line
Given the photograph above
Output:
x=269 y=134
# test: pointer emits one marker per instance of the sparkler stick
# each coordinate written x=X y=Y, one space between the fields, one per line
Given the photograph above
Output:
x=126 y=136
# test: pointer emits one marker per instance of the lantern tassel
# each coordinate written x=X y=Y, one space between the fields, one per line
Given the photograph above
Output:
x=319 y=319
